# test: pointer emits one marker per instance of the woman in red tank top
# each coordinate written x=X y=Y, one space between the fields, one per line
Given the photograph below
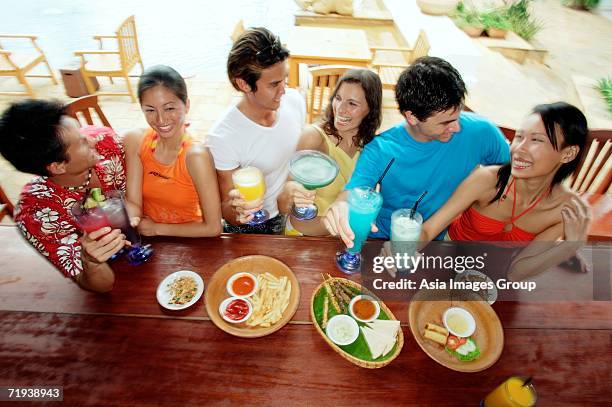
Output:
x=524 y=200
x=172 y=185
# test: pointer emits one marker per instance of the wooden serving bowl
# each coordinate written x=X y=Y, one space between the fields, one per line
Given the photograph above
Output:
x=216 y=292
x=429 y=305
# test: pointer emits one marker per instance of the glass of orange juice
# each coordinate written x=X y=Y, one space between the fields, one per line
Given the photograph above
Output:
x=250 y=182
x=514 y=392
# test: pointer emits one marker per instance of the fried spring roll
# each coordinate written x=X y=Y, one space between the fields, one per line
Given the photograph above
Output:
x=435 y=336
x=436 y=328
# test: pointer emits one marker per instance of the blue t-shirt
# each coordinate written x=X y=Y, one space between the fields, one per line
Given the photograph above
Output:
x=433 y=166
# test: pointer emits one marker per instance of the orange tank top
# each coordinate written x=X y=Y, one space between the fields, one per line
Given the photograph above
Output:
x=474 y=226
x=168 y=193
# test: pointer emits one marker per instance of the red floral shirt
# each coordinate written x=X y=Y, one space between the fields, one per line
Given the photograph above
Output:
x=43 y=211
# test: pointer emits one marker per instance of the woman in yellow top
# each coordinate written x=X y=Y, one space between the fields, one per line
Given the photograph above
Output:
x=172 y=185
x=351 y=120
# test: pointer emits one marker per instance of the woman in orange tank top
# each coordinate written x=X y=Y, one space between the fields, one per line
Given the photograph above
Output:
x=172 y=185
x=524 y=200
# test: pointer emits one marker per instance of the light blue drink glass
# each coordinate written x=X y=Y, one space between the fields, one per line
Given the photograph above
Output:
x=364 y=206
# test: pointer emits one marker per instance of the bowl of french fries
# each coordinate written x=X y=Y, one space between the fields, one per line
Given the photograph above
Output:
x=274 y=301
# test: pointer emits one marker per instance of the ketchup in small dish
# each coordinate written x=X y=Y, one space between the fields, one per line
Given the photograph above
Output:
x=235 y=310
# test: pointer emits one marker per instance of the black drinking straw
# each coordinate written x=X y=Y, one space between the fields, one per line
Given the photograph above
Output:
x=527 y=381
x=385 y=172
x=416 y=205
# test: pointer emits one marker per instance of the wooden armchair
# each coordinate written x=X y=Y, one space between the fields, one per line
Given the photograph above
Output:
x=390 y=62
x=115 y=63
x=6 y=206
x=594 y=172
x=324 y=79
x=18 y=64
x=83 y=107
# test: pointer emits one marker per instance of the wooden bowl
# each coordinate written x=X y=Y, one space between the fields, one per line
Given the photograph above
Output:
x=429 y=305
x=216 y=292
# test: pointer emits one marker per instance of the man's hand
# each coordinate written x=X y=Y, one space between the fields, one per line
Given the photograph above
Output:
x=100 y=245
x=244 y=209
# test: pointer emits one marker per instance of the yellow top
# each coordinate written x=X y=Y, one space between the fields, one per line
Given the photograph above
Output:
x=327 y=195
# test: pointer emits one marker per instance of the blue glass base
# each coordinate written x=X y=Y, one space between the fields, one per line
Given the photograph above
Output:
x=259 y=217
x=116 y=256
x=139 y=254
x=348 y=263
x=305 y=212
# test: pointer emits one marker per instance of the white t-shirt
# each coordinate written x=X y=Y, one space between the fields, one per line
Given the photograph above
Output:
x=237 y=141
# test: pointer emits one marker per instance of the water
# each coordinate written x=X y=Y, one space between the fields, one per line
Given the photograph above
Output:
x=190 y=35
x=364 y=205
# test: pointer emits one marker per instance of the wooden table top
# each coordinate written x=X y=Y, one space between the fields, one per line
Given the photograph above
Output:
x=123 y=348
x=329 y=43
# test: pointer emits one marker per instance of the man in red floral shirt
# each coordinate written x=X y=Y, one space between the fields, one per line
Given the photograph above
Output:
x=38 y=137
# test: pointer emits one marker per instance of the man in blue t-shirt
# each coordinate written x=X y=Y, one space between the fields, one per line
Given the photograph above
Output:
x=435 y=149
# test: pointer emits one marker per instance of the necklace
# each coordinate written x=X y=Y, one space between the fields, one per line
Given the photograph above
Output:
x=155 y=139
x=84 y=184
x=510 y=224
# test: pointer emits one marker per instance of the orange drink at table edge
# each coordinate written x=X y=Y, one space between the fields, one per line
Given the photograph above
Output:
x=250 y=182
x=512 y=393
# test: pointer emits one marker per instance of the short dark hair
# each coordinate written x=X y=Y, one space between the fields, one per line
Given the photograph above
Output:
x=255 y=50
x=162 y=75
x=574 y=132
x=30 y=137
x=428 y=86
x=372 y=88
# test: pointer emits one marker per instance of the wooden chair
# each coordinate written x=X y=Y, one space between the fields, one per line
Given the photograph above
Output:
x=508 y=133
x=594 y=172
x=83 y=107
x=324 y=79
x=116 y=63
x=238 y=30
x=389 y=69
x=18 y=64
x=6 y=206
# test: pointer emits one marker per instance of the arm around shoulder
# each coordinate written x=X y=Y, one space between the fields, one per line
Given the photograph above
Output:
x=476 y=186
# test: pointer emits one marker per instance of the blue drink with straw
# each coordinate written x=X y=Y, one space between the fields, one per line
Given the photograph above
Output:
x=364 y=205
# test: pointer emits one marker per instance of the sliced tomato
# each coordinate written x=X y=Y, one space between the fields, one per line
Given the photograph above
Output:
x=462 y=341
x=452 y=342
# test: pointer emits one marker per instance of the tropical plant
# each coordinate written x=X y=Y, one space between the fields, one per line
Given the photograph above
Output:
x=513 y=15
x=585 y=4
x=604 y=85
x=495 y=18
x=520 y=19
x=465 y=16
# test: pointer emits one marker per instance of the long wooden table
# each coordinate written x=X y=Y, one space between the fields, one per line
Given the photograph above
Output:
x=122 y=348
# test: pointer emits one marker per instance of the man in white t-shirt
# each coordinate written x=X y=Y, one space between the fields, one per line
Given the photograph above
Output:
x=261 y=131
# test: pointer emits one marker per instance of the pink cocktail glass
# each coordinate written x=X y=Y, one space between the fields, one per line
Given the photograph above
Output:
x=113 y=213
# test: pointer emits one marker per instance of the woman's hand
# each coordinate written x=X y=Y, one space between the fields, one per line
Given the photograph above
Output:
x=147 y=227
x=244 y=209
x=576 y=220
x=300 y=195
x=98 y=246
